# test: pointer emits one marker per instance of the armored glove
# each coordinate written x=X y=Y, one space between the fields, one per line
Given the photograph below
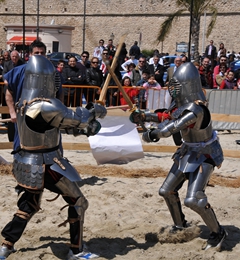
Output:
x=150 y=136
x=92 y=129
x=153 y=135
x=89 y=114
x=137 y=117
x=97 y=110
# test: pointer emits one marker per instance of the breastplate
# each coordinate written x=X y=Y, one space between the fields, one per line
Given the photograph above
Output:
x=193 y=135
x=196 y=133
x=32 y=140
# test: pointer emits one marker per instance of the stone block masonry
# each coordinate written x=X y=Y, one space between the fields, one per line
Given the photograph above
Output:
x=134 y=17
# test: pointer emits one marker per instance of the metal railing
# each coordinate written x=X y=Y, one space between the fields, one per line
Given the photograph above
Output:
x=78 y=95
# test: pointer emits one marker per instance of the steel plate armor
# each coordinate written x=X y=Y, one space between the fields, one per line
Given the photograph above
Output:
x=40 y=116
x=38 y=163
x=199 y=153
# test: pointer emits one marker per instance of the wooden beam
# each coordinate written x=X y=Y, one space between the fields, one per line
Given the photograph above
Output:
x=113 y=66
x=225 y=118
x=4 y=110
x=146 y=148
x=76 y=146
x=6 y=145
x=215 y=117
x=231 y=153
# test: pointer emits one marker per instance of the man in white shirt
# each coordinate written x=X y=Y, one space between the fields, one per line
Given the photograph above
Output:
x=98 y=50
x=131 y=60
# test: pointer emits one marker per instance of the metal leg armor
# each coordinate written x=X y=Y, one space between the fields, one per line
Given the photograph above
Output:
x=78 y=204
x=196 y=198
x=169 y=191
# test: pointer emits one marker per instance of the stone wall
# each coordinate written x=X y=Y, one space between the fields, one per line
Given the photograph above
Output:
x=134 y=17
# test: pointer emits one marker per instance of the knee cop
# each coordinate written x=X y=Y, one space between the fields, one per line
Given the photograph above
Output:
x=198 y=202
x=70 y=189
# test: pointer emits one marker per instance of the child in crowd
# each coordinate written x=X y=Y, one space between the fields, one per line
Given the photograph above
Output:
x=229 y=82
x=128 y=73
x=222 y=74
x=238 y=83
x=141 y=97
x=130 y=90
x=60 y=66
x=151 y=84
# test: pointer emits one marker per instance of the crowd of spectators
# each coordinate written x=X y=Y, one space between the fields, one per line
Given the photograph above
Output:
x=133 y=69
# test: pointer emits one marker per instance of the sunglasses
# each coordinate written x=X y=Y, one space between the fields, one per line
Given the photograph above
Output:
x=85 y=56
x=94 y=62
x=141 y=61
x=105 y=53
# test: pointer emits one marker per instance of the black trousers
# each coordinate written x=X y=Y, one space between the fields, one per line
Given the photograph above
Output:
x=29 y=203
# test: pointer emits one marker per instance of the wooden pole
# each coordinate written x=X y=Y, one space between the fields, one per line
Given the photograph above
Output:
x=113 y=66
x=120 y=87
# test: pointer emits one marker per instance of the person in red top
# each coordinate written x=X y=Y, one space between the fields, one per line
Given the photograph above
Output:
x=216 y=71
x=60 y=65
x=130 y=90
x=206 y=74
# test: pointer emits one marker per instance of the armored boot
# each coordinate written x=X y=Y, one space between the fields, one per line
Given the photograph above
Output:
x=6 y=249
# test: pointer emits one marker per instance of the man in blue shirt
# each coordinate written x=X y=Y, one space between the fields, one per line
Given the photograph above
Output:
x=14 y=82
x=54 y=172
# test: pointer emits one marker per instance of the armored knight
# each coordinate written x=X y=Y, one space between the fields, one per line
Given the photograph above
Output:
x=39 y=164
x=197 y=156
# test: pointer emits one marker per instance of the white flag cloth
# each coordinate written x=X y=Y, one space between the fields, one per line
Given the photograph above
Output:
x=117 y=142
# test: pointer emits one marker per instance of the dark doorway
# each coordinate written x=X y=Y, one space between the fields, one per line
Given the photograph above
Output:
x=55 y=46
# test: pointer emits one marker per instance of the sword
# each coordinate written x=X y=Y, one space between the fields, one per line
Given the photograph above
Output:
x=113 y=66
x=132 y=106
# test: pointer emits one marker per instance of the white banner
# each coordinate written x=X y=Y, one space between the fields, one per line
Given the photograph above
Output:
x=117 y=142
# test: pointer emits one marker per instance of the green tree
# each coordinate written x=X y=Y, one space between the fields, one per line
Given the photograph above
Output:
x=198 y=9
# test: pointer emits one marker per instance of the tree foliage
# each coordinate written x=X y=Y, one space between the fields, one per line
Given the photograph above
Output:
x=199 y=7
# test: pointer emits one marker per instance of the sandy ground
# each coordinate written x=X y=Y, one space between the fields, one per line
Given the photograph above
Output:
x=126 y=218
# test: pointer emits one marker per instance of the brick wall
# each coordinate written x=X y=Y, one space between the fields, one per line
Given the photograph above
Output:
x=104 y=17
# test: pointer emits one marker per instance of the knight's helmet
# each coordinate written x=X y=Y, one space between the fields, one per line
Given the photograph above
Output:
x=39 y=79
x=185 y=85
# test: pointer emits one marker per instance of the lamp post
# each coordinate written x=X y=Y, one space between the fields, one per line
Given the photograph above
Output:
x=23 y=7
x=37 y=19
x=190 y=31
x=84 y=24
x=203 y=35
